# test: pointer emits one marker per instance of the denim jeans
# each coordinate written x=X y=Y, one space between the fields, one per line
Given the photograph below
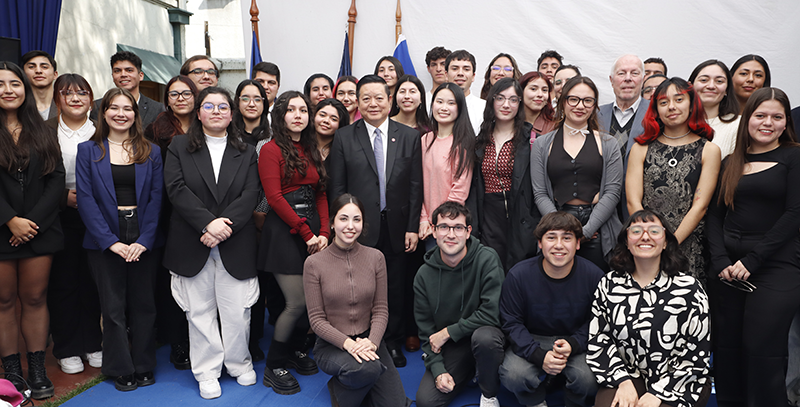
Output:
x=523 y=378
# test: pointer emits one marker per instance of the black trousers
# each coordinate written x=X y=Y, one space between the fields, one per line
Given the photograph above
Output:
x=483 y=352
x=396 y=271
x=127 y=301
x=72 y=294
x=750 y=330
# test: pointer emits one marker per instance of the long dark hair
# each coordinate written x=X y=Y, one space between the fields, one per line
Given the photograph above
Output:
x=398 y=69
x=487 y=127
x=196 y=136
x=758 y=58
x=141 y=146
x=653 y=125
x=571 y=83
x=734 y=163
x=672 y=260
x=421 y=115
x=729 y=105
x=261 y=132
x=166 y=126
x=487 y=83
x=35 y=135
x=308 y=140
x=339 y=203
x=460 y=157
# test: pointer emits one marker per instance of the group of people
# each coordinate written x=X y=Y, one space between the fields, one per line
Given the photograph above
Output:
x=526 y=234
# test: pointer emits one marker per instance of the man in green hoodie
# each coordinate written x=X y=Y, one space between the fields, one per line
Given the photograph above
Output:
x=456 y=306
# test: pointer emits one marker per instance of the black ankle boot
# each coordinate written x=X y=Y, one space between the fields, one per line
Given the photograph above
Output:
x=41 y=386
x=12 y=365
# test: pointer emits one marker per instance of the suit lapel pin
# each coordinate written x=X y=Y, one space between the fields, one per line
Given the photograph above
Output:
x=393 y=140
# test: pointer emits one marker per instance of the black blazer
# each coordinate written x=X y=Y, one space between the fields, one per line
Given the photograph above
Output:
x=148 y=110
x=352 y=169
x=37 y=200
x=524 y=216
x=197 y=199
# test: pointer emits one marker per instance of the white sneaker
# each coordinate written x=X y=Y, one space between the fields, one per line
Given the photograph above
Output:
x=95 y=359
x=489 y=402
x=247 y=379
x=71 y=365
x=209 y=389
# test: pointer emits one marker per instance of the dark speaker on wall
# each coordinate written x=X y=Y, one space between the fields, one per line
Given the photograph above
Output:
x=10 y=50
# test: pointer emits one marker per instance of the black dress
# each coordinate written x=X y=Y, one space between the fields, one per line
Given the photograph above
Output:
x=28 y=194
x=750 y=330
x=671 y=175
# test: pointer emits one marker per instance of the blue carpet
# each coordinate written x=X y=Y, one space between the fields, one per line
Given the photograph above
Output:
x=178 y=388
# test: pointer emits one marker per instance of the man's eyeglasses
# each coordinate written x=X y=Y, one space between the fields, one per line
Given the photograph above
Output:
x=741 y=285
x=458 y=230
x=200 y=71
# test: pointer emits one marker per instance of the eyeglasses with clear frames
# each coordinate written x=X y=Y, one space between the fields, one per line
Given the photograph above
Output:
x=638 y=231
x=69 y=92
x=222 y=107
x=587 y=102
x=248 y=99
x=504 y=68
x=186 y=94
x=500 y=99
x=444 y=230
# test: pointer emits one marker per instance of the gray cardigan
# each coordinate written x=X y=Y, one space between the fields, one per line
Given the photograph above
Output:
x=604 y=214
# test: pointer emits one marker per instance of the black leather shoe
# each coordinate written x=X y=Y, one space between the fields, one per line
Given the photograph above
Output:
x=302 y=363
x=125 y=383
x=41 y=387
x=281 y=381
x=145 y=379
x=179 y=356
x=397 y=357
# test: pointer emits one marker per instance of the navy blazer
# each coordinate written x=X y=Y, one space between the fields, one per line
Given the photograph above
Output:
x=97 y=197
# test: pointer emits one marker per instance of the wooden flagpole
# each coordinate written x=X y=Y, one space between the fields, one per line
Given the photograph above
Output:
x=398 y=28
x=254 y=20
x=351 y=26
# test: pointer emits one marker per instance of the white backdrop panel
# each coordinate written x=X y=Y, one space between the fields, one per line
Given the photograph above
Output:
x=306 y=36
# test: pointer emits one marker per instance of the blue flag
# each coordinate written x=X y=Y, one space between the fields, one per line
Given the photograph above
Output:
x=255 y=55
x=401 y=53
x=344 y=68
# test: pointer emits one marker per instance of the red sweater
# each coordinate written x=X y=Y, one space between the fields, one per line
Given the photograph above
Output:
x=270 y=169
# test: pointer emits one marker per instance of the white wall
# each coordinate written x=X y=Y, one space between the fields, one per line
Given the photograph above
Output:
x=89 y=32
x=304 y=37
x=224 y=27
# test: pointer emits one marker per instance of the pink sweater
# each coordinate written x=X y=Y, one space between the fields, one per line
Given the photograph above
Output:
x=439 y=184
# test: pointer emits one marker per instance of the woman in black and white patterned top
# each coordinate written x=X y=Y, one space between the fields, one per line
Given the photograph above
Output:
x=649 y=340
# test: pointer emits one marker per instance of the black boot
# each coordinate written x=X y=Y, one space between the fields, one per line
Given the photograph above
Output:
x=13 y=369
x=41 y=386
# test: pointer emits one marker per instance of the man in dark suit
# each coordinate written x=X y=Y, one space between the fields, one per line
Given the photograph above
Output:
x=126 y=69
x=623 y=117
x=380 y=162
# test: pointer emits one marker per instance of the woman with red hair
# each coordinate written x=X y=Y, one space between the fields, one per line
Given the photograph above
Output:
x=673 y=168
